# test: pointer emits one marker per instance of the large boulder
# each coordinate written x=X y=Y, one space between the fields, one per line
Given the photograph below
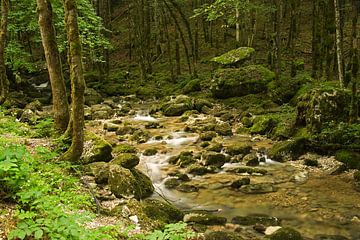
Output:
x=177 y=106
x=100 y=170
x=288 y=150
x=213 y=159
x=286 y=234
x=238 y=148
x=92 y=97
x=96 y=149
x=129 y=183
x=235 y=56
x=321 y=105
x=126 y=160
x=252 y=220
x=239 y=82
x=161 y=210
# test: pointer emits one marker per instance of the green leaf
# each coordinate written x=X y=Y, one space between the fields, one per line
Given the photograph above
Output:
x=38 y=234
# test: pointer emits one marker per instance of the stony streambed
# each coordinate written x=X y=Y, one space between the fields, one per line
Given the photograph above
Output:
x=308 y=199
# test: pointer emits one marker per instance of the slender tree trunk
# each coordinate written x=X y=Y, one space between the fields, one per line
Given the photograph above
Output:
x=52 y=56
x=4 y=82
x=237 y=17
x=339 y=43
x=277 y=29
x=315 y=39
x=77 y=83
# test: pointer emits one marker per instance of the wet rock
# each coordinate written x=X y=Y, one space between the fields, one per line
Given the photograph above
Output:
x=140 y=136
x=259 y=228
x=286 y=234
x=172 y=183
x=101 y=111
x=248 y=170
x=150 y=152
x=177 y=106
x=110 y=127
x=258 y=188
x=96 y=149
x=152 y=125
x=237 y=82
x=187 y=188
x=300 y=177
x=184 y=159
x=330 y=237
x=252 y=220
x=246 y=122
x=204 y=219
x=126 y=129
x=213 y=159
x=100 y=170
x=288 y=150
x=311 y=162
x=29 y=116
x=357 y=176
x=263 y=124
x=207 y=136
x=234 y=57
x=34 y=106
x=92 y=97
x=271 y=230
x=129 y=183
x=124 y=109
x=223 y=129
x=161 y=210
x=197 y=169
x=240 y=182
x=202 y=105
x=222 y=235
x=251 y=160
x=238 y=148
x=124 y=148
x=126 y=160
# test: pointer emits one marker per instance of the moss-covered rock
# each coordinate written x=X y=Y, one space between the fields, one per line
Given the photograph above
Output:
x=229 y=83
x=263 y=124
x=140 y=136
x=258 y=188
x=213 y=159
x=129 y=183
x=192 y=86
x=150 y=152
x=251 y=159
x=172 y=183
x=100 y=170
x=214 y=147
x=238 y=148
x=288 y=150
x=161 y=211
x=222 y=235
x=350 y=159
x=240 y=182
x=223 y=129
x=92 y=97
x=357 y=176
x=96 y=149
x=111 y=127
x=125 y=129
x=204 y=218
x=126 y=160
x=207 y=136
x=202 y=105
x=197 y=169
x=124 y=148
x=248 y=170
x=184 y=159
x=235 y=56
x=177 y=106
x=252 y=220
x=187 y=188
x=34 y=106
x=286 y=234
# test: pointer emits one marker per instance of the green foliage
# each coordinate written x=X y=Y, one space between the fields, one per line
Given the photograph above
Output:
x=177 y=231
x=44 y=128
x=9 y=125
x=342 y=134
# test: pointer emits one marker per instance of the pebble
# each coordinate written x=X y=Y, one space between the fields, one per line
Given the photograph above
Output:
x=272 y=229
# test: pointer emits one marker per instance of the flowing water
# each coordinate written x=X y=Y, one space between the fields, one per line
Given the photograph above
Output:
x=308 y=199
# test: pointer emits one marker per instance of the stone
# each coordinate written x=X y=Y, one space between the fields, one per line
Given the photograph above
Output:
x=235 y=56
x=238 y=82
x=213 y=159
x=184 y=159
x=172 y=183
x=240 y=182
x=34 y=106
x=124 y=148
x=248 y=170
x=202 y=105
x=140 y=136
x=161 y=210
x=197 y=169
x=288 y=150
x=251 y=160
x=223 y=129
x=263 y=124
x=330 y=237
x=150 y=152
x=92 y=97
x=177 y=106
x=204 y=219
x=214 y=147
x=128 y=183
x=238 y=148
x=350 y=159
x=271 y=230
x=96 y=149
x=110 y=127
x=286 y=234
x=152 y=125
x=192 y=86
x=126 y=160
x=207 y=136
x=258 y=188
x=29 y=116
x=252 y=220
x=222 y=235
x=187 y=188
x=126 y=129
x=100 y=170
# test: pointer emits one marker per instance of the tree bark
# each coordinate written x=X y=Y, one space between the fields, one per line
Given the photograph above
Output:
x=52 y=56
x=339 y=43
x=4 y=82
x=77 y=83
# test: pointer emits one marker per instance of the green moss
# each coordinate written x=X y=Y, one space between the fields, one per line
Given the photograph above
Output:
x=161 y=211
x=126 y=160
x=357 y=176
x=98 y=150
x=124 y=148
x=234 y=56
x=192 y=86
x=350 y=159
x=264 y=124
x=150 y=152
x=288 y=150
x=286 y=234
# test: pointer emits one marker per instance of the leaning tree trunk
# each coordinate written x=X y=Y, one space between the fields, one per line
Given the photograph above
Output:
x=52 y=56
x=339 y=44
x=77 y=83
x=4 y=82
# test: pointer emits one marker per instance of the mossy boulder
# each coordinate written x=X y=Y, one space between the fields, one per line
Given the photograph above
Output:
x=248 y=170
x=124 y=148
x=222 y=235
x=286 y=234
x=213 y=159
x=126 y=160
x=184 y=159
x=251 y=159
x=214 y=147
x=239 y=82
x=124 y=182
x=150 y=152
x=192 y=86
x=207 y=136
x=100 y=170
x=235 y=56
x=350 y=159
x=321 y=105
x=177 y=106
x=263 y=124
x=288 y=150
x=92 y=97
x=254 y=219
x=197 y=169
x=223 y=129
x=96 y=149
x=125 y=129
x=240 y=182
x=162 y=211
x=204 y=219
x=258 y=188
x=140 y=136
x=202 y=105
x=238 y=148
x=357 y=176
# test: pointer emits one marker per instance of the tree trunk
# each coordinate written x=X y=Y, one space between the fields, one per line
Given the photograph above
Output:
x=4 y=82
x=237 y=17
x=77 y=83
x=339 y=43
x=52 y=56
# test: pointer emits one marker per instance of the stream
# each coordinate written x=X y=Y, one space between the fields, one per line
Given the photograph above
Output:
x=308 y=199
